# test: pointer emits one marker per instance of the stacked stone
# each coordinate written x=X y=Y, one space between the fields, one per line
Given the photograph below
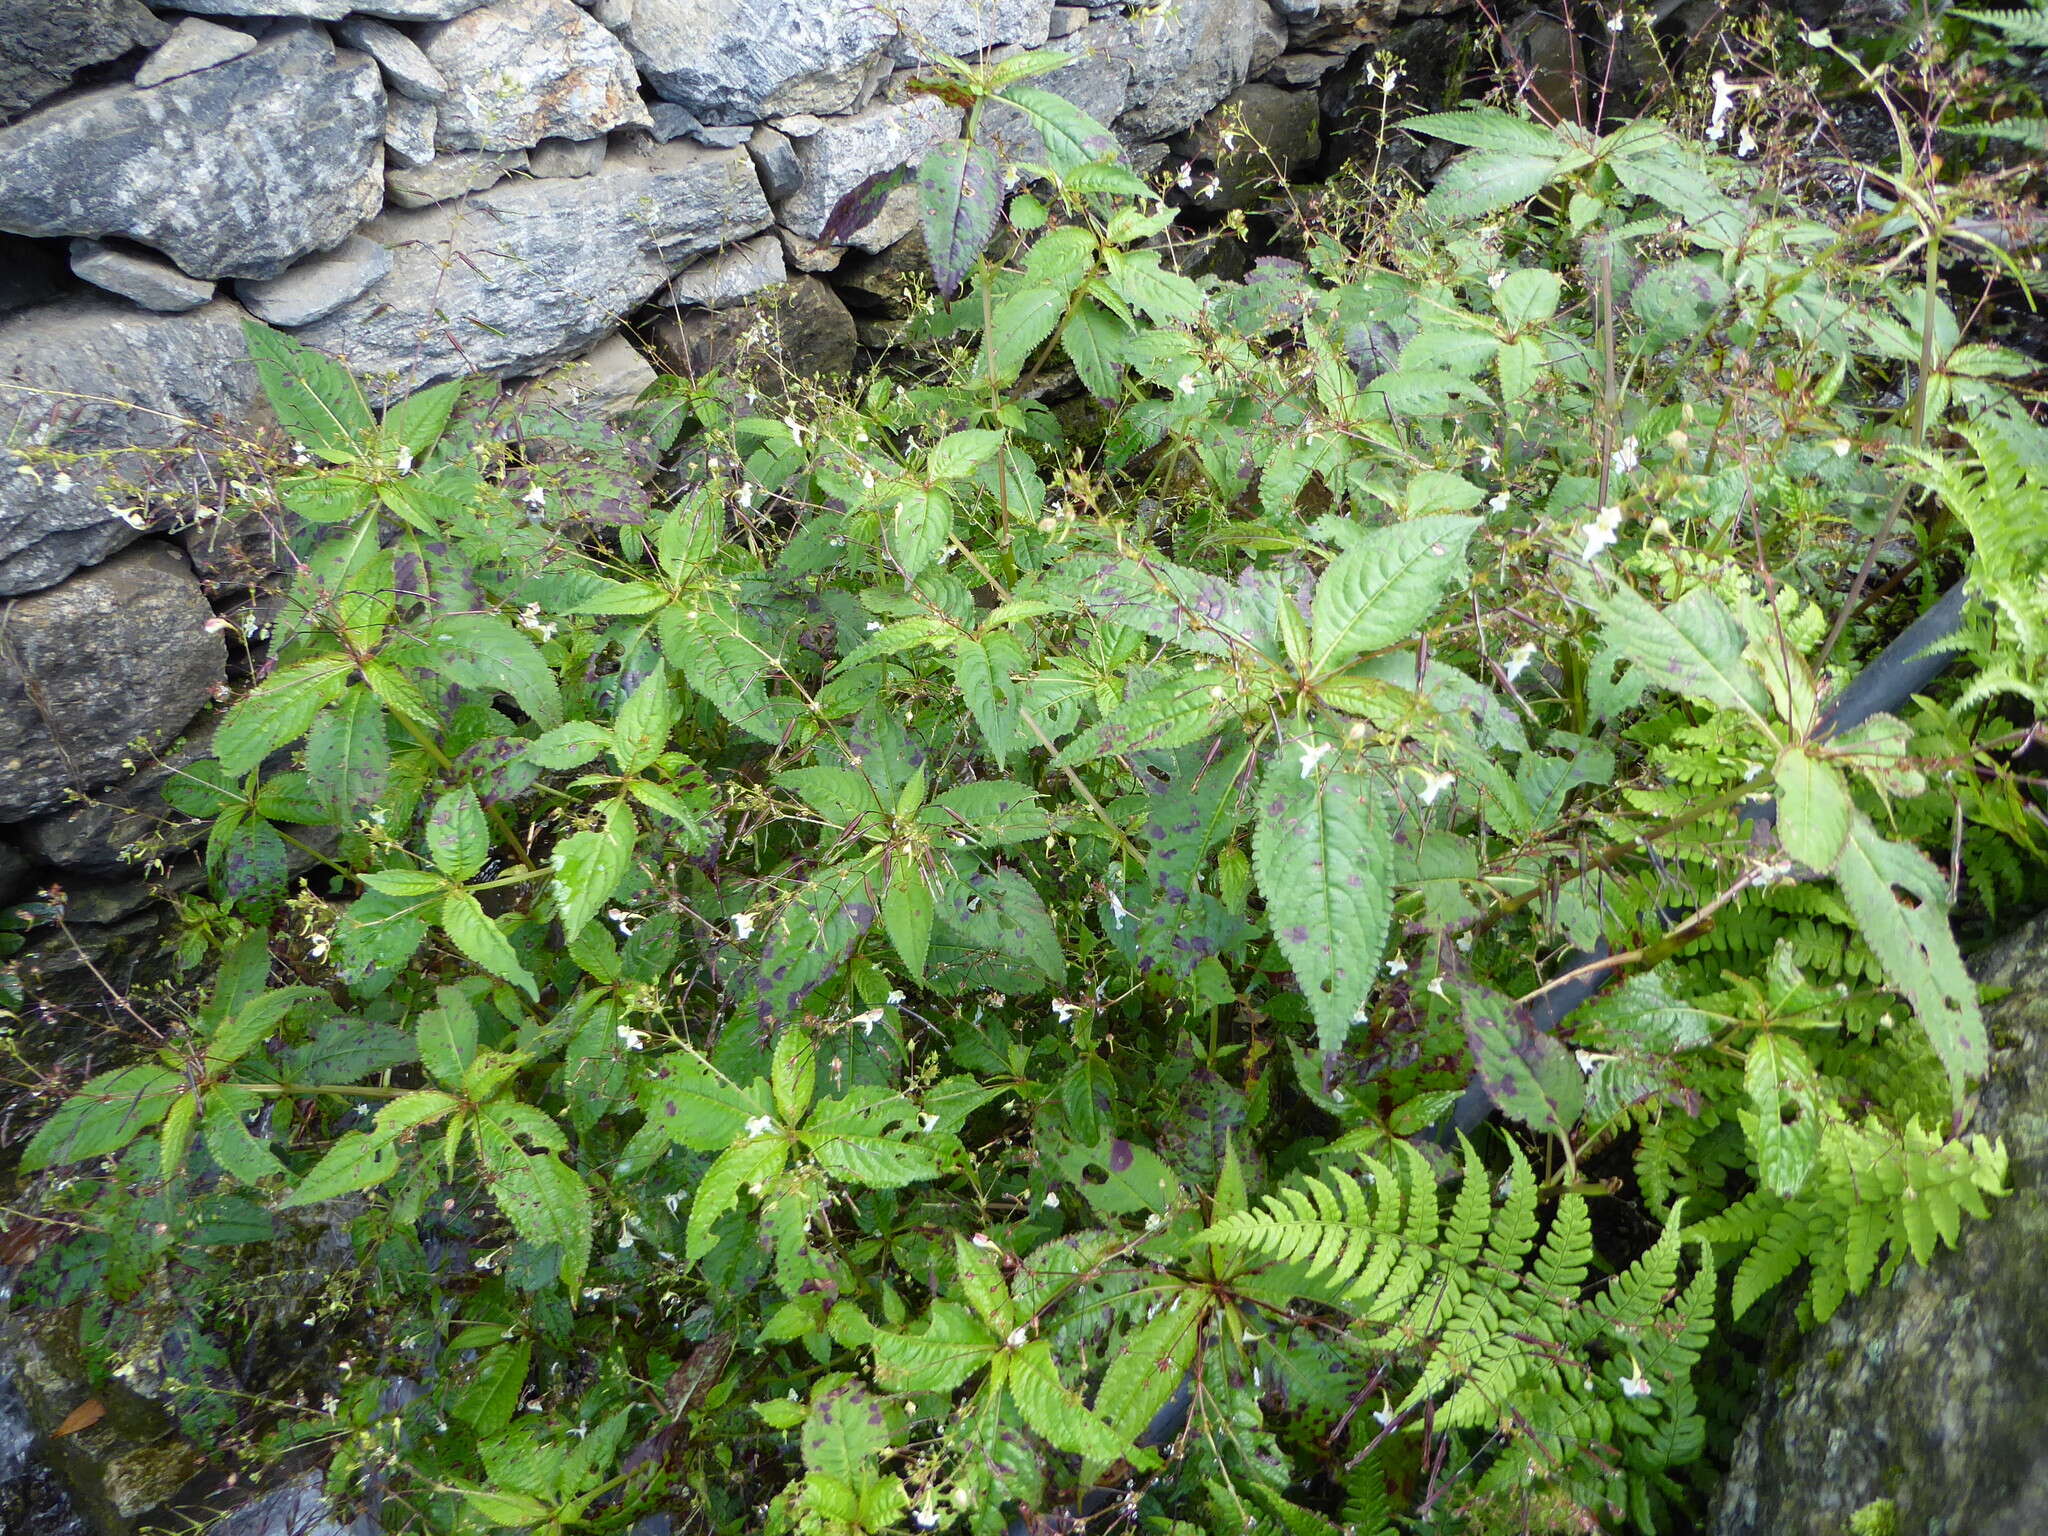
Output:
x=434 y=188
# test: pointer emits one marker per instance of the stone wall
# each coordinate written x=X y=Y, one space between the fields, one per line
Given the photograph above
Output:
x=430 y=188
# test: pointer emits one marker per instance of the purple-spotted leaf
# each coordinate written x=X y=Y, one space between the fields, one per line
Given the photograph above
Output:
x=960 y=199
x=1323 y=860
x=863 y=205
x=1528 y=1074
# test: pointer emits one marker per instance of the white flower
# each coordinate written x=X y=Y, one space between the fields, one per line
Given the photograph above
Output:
x=925 y=1519
x=760 y=1125
x=743 y=926
x=61 y=482
x=530 y=621
x=1210 y=188
x=132 y=517
x=1436 y=985
x=1052 y=1200
x=404 y=465
x=1185 y=177
x=537 y=498
x=984 y=1242
x=626 y=921
x=1604 y=532
x=1626 y=457
x=1312 y=754
x=1495 y=279
x=1519 y=659
x=1745 y=144
x=1617 y=21
x=1396 y=966
x=1018 y=1338
x=1062 y=1010
x=867 y=1021
x=633 y=1039
x=1498 y=501
x=1637 y=1385
x=1189 y=383
x=873 y=625
x=1724 y=103
x=1434 y=784
x=1117 y=911
x=319 y=946
x=927 y=1123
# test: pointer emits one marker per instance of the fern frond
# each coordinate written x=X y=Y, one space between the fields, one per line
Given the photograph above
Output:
x=2026 y=28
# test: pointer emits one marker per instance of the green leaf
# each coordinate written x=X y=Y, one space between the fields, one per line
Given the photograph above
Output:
x=458 y=838
x=1166 y=297
x=1055 y=1412
x=1018 y=328
x=793 y=1074
x=403 y=882
x=1528 y=1074
x=645 y=722
x=482 y=650
x=447 y=1036
x=357 y=1161
x=1171 y=714
x=1914 y=945
x=104 y=1116
x=253 y=1022
x=1072 y=138
x=808 y=939
x=1784 y=1124
x=417 y=422
x=749 y=1162
x=953 y=1346
x=920 y=526
x=846 y=1434
x=229 y=1140
x=1323 y=861
x=986 y=672
x=989 y=812
x=1382 y=590
x=1693 y=647
x=1148 y=1369
x=694 y=1106
x=492 y=1396
x=1528 y=296
x=278 y=712
x=722 y=656
x=348 y=754
x=878 y=1162
x=1488 y=128
x=1813 y=809
x=959 y=454
x=569 y=746
x=1095 y=342
x=907 y=911
x=589 y=865
x=1486 y=182
x=314 y=398
x=960 y=202
x=546 y=1202
x=472 y=932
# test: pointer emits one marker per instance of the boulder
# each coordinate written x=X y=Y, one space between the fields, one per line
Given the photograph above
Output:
x=116 y=654
x=530 y=272
x=935 y=27
x=43 y=43
x=1257 y=138
x=117 y=832
x=846 y=151
x=318 y=286
x=520 y=71
x=407 y=71
x=1928 y=1394
x=734 y=61
x=235 y=171
x=449 y=176
x=149 y=280
x=192 y=46
x=736 y=273
x=565 y=159
x=1189 y=56
x=96 y=378
x=775 y=158
x=1346 y=24
x=797 y=330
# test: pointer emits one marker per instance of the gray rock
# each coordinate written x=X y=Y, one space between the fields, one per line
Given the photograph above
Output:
x=123 y=827
x=449 y=176
x=319 y=285
x=798 y=330
x=1301 y=69
x=809 y=255
x=112 y=384
x=775 y=160
x=1271 y=41
x=1187 y=58
x=673 y=122
x=606 y=381
x=738 y=272
x=1930 y=1392
x=520 y=71
x=722 y=135
x=798 y=125
x=43 y=43
x=530 y=273
x=845 y=152
x=1346 y=25
x=116 y=654
x=334 y=10
x=935 y=27
x=566 y=159
x=409 y=128
x=888 y=285
x=299 y=1508
x=192 y=46
x=1066 y=21
x=1098 y=82
x=743 y=60
x=283 y=141
x=150 y=281
x=407 y=70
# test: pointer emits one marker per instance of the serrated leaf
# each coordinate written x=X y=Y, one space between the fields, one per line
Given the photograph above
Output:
x=492 y=1396
x=1487 y=181
x=749 y=1162
x=417 y=422
x=810 y=936
x=458 y=838
x=464 y=921
x=694 y=1106
x=1694 y=647
x=645 y=720
x=104 y=1116
x=1018 y=328
x=907 y=912
x=589 y=865
x=1813 y=809
x=952 y=1347
x=989 y=812
x=547 y=1202
x=1528 y=296
x=1171 y=714
x=1072 y=138
x=357 y=1161
x=278 y=712
x=1095 y=342
x=1487 y=128
x=863 y=204
x=960 y=201
x=484 y=651
x=920 y=526
x=1323 y=861
x=348 y=754
x=1784 y=1124
x=846 y=1434
x=1528 y=1074
x=1055 y=1412
x=1914 y=945
x=1148 y=1369
x=1381 y=591
x=959 y=454
x=315 y=399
